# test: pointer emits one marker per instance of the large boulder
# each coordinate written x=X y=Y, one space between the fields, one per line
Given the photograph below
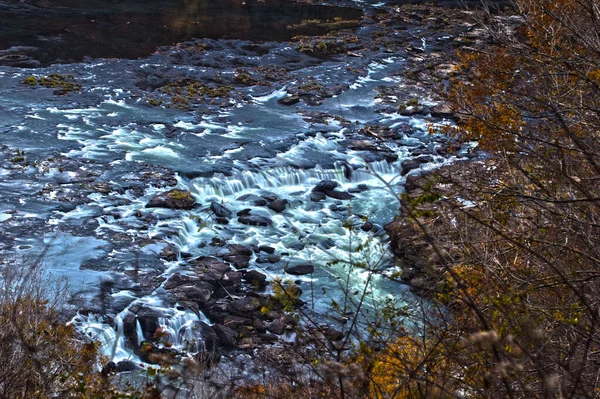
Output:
x=172 y=199
x=210 y=269
x=325 y=185
x=300 y=270
x=220 y=210
x=255 y=220
x=226 y=335
x=278 y=205
x=339 y=195
x=244 y=306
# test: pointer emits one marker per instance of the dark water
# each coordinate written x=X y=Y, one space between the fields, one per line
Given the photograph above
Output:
x=37 y=33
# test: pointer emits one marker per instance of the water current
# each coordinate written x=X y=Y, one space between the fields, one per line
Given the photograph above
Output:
x=231 y=154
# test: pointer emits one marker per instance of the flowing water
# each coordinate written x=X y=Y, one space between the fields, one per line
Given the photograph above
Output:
x=252 y=147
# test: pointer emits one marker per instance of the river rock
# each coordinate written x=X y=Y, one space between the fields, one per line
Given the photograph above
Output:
x=148 y=319
x=234 y=322
x=126 y=365
x=177 y=280
x=292 y=100
x=255 y=220
x=267 y=249
x=276 y=327
x=231 y=279
x=278 y=205
x=339 y=195
x=317 y=196
x=220 y=210
x=408 y=165
x=244 y=306
x=256 y=278
x=325 y=185
x=209 y=338
x=210 y=269
x=172 y=199
x=252 y=199
x=300 y=270
x=237 y=249
x=226 y=335
x=199 y=293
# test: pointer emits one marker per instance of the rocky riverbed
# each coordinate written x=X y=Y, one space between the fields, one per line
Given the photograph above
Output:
x=172 y=187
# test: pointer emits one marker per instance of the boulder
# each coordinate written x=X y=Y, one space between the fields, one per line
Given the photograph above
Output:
x=226 y=335
x=244 y=306
x=339 y=195
x=276 y=327
x=287 y=101
x=172 y=199
x=255 y=220
x=210 y=269
x=267 y=249
x=256 y=278
x=300 y=270
x=237 y=249
x=278 y=205
x=325 y=185
x=209 y=339
x=199 y=293
x=231 y=279
x=126 y=365
x=220 y=210
x=317 y=196
x=408 y=165
x=239 y=261
x=169 y=253
x=234 y=322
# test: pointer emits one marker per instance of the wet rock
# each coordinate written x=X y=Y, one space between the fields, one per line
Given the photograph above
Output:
x=177 y=280
x=339 y=195
x=244 y=306
x=239 y=261
x=209 y=340
x=278 y=205
x=441 y=111
x=199 y=293
x=148 y=319
x=267 y=249
x=325 y=185
x=255 y=220
x=220 y=210
x=292 y=100
x=252 y=199
x=276 y=327
x=300 y=270
x=244 y=212
x=234 y=322
x=268 y=338
x=333 y=335
x=126 y=365
x=256 y=278
x=216 y=311
x=226 y=335
x=408 y=165
x=367 y=226
x=210 y=269
x=169 y=253
x=237 y=249
x=172 y=199
x=130 y=328
x=259 y=325
x=221 y=220
x=317 y=196
x=231 y=279
x=268 y=259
